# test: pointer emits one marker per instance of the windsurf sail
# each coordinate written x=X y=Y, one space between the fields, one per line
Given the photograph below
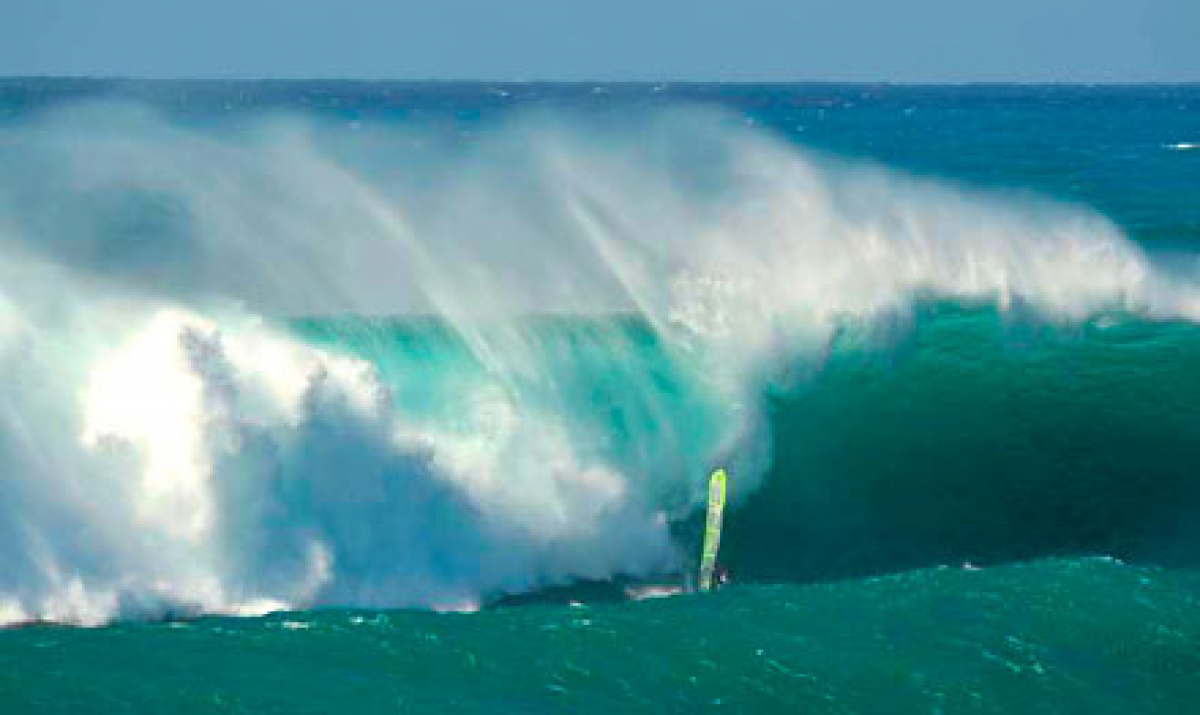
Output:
x=712 y=528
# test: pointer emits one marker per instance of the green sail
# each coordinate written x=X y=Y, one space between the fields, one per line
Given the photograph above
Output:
x=712 y=528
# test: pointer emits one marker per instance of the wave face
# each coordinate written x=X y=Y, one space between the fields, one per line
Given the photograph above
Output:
x=978 y=437
x=528 y=349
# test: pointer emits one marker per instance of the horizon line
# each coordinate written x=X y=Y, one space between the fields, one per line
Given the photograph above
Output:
x=511 y=81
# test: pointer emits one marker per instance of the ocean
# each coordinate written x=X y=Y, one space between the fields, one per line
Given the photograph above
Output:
x=374 y=396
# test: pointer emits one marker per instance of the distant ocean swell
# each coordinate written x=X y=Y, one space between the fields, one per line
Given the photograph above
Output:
x=273 y=364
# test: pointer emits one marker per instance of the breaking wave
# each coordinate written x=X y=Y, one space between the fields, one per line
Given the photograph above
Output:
x=276 y=363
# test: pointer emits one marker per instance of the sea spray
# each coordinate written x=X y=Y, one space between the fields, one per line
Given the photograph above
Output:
x=175 y=444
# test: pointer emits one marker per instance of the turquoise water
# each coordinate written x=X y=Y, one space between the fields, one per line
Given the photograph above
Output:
x=361 y=356
x=1084 y=635
x=965 y=435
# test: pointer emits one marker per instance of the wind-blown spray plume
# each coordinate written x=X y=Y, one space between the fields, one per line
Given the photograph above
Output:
x=532 y=348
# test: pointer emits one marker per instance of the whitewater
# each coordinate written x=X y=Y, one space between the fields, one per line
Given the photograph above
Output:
x=281 y=362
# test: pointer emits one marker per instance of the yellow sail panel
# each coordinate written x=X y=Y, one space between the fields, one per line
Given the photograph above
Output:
x=712 y=528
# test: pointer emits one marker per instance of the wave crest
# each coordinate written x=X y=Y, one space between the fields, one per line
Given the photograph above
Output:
x=168 y=450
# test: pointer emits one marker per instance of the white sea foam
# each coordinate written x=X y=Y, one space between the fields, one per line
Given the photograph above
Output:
x=166 y=449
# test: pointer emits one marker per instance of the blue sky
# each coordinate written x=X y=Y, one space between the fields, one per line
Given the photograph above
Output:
x=854 y=40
